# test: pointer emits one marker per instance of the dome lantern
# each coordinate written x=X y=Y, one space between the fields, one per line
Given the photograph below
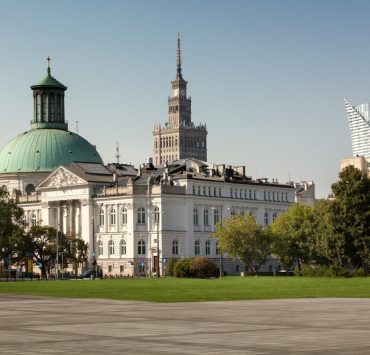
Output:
x=48 y=101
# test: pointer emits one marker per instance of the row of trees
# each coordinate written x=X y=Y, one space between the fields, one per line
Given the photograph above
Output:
x=39 y=244
x=336 y=232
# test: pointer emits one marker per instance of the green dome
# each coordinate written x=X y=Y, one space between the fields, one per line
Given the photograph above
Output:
x=39 y=150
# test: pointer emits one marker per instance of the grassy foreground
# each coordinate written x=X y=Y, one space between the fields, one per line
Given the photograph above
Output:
x=193 y=290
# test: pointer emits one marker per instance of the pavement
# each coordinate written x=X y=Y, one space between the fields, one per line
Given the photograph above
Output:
x=36 y=325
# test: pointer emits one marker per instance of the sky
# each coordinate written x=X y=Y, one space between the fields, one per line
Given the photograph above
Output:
x=267 y=77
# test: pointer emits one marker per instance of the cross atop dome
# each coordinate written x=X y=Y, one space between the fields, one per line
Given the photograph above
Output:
x=48 y=60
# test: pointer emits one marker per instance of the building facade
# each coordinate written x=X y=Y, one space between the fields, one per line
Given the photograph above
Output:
x=134 y=224
x=359 y=126
x=179 y=138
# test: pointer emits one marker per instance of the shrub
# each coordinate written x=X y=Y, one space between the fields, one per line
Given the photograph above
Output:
x=328 y=271
x=171 y=266
x=203 y=268
x=199 y=267
x=182 y=268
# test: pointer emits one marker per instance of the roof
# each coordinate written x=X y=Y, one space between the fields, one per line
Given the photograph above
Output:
x=42 y=150
x=49 y=81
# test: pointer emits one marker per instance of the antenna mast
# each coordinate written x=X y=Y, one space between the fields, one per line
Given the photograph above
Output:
x=117 y=153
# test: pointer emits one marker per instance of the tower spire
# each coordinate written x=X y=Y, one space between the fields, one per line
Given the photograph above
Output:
x=178 y=57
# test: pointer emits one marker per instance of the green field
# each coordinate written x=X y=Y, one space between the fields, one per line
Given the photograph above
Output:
x=194 y=290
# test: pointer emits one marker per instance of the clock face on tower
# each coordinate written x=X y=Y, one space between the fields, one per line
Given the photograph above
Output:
x=175 y=92
x=182 y=92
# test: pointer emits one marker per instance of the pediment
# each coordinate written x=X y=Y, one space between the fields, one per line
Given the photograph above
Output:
x=61 y=178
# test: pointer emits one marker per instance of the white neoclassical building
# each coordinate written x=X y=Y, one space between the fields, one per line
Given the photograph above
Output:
x=136 y=222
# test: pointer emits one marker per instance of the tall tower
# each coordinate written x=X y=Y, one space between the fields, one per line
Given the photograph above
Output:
x=179 y=138
x=359 y=126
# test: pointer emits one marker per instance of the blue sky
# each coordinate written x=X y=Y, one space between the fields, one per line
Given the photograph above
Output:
x=267 y=77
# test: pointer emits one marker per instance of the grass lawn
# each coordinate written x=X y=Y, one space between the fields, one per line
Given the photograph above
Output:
x=194 y=290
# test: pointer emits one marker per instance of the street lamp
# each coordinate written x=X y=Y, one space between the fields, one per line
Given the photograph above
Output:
x=156 y=214
x=219 y=249
x=57 y=239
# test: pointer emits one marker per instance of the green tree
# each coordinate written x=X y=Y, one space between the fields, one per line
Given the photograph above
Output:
x=294 y=241
x=77 y=251
x=242 y=238
x=330 y=245
x=10 y=226
x=350 y=212
x=41 y=241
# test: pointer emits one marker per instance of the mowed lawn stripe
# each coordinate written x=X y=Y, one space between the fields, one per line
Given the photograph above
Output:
x=195 y=290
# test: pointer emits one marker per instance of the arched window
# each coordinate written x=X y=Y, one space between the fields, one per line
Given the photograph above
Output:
x=197 y=247
x=156 y=215
x=122 y=247
x=141 y=247
x=274 y=215
x=208 y=247
x=124 y=215
x=43 y=108
x=30 y=188
x=193 y=190
x=205 y=217
x=175 y=247
x=141 y=215
x=113 y=216
x=216 y=217
x=51 y=107
x=33 y=219
x=217 y=249
x=111 y=247
x=101 y=217
x=100 y=248
x=195 y=216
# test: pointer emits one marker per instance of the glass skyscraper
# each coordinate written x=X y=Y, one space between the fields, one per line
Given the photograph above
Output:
x=359 y=126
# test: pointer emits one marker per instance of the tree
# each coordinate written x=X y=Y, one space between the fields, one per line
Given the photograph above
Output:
x=10 y=226
x=41 y=242
x=293 y=240
x=330 y=245
x=241 y=237
x=77 y=251
x=350 y=212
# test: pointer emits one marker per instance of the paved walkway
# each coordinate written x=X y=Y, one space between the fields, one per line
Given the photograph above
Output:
x=33 y=325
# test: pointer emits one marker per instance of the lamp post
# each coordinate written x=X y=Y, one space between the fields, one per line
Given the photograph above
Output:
x=93 y=254
x=219 y=249
x=156 y=214
x=57 y=239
